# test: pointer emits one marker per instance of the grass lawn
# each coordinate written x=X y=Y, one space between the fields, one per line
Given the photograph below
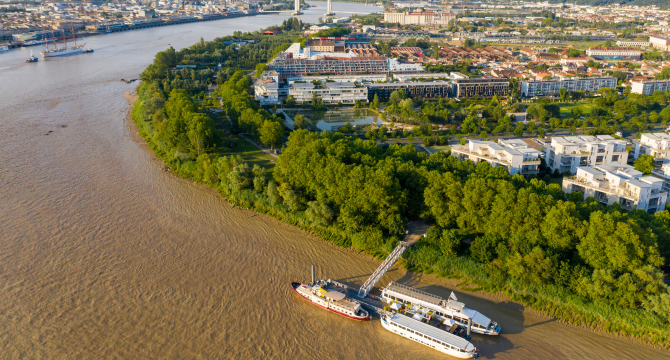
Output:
x=251 y=154
x=567 y=108
x=436 y=148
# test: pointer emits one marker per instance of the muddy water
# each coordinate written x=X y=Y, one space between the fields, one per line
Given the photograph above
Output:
x=103 y=255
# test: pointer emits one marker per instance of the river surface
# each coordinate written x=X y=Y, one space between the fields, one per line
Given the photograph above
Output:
x=104 y=255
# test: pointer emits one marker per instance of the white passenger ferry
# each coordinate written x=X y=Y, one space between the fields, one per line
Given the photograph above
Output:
x=444 y=309
x=428 y=335
x=332 y=298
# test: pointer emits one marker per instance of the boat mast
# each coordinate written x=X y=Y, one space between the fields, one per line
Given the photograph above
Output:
x=53 y=37
x=73 y=36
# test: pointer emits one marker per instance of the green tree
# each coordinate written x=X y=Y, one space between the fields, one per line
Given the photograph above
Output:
x=272 y=133
x=319 y=214
x=644 y=164
x=299 y=122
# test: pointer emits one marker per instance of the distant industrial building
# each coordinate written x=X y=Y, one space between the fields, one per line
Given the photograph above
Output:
x=552 y=87
x=481 y=87
x=614 y=53
x=648 y=87
x=426 y=90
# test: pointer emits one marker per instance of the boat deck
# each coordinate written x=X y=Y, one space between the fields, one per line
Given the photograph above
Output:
x=372 y=303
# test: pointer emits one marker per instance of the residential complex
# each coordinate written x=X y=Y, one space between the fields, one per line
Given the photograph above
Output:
x=286 y=65
x=553 y=86
x=514 y=155
x=614 y=182
x=664 y=174
x=614 y=53
x=566 y=154
x=329 y=93
x=659 y=42
x=425 y=18
x=426 y=90
x=648 y=87
x=656 y=145
x=633 y=43
x=482 y=87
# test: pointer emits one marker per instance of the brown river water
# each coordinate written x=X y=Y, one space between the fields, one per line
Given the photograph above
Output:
x=104 y=255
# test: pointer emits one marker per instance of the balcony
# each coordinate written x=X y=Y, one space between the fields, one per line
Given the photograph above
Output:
x=532 y=162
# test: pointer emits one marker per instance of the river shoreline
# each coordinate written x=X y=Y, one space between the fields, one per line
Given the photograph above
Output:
x=501 y=300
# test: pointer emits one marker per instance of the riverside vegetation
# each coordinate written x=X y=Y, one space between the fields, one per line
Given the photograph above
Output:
x=572 y=259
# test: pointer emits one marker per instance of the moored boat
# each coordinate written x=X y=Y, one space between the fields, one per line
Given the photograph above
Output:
x=88 y=51
x=330 y=299
x=444 y=309
x=439 y=339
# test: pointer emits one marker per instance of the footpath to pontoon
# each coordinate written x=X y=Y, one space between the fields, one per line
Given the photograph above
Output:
x=374 y=304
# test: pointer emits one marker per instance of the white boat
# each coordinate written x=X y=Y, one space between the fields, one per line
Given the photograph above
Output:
x=444 y=309
x=4 y=48
x=65 y=50
x=327 y=296
x=428 y=335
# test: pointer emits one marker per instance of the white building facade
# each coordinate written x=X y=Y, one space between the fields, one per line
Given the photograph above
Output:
x=656 y=145
x=329 y=93
x=613 y=182
x=566 y=154
x=553 y=87
x=649 y=87
x=514 y=155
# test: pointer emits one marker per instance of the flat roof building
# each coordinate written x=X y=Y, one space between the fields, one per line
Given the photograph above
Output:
x=514 y=155
x=648 y=87
x=566 y=154
x=481 y=87
x=614 y=182
x=614 y=53
x=329 y=93
x=428 y=90
x=531 y=88
x=656 y=145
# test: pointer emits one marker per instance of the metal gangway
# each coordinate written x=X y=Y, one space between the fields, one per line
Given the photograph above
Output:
x=381 y=270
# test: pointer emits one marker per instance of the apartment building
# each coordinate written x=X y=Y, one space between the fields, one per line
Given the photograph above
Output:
x=268 y=90
x=664 y=174
x=614 y=182
x=396 y=67
x=286 y=65
x=514 y=155
x=481 y=87
x=648 y=87
x=410 y=18
x=329 y=93
x=323 y=45
x=659 y=42
x=428 y=90
x=656 y=145
x=566 y=154
x=625 y=43
x=614 y=53
x=552 y=87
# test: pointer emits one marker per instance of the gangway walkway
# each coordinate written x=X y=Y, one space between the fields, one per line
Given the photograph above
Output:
x=415 y=230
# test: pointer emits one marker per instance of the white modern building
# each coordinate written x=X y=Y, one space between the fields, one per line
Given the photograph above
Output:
x=614 y=53
x=397 y=67
x=659 y=42
x=664 y=174
x=656 y=145
x=566 y=154
x=514 y=155
x=649 y=87
x=329 y=93
x=614 y=182
x=531 y=88
x=268 y=90
x=625 y=43
x=418 y=18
